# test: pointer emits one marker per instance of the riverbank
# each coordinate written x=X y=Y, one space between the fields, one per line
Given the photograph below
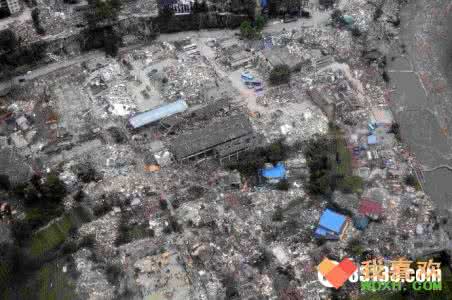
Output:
x=421 y=97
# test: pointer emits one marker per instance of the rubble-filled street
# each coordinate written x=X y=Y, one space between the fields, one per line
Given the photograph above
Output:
x=206 y=165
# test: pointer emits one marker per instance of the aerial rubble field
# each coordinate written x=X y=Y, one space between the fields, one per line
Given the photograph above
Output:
x=164 y=229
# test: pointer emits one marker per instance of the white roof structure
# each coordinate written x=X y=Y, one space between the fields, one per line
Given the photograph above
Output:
x=150 y=116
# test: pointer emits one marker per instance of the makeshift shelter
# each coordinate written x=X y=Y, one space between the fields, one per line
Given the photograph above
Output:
x=332 y=225
x=381 y=117
x=372 y=140
x=274 y=174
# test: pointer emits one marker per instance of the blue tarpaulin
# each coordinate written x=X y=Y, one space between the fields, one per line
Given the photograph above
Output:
x=330 y=224
x=264 y=3
x=246 y=76
x=147 y=117
x=276 y=172
x=372 y=139
x=360 y=222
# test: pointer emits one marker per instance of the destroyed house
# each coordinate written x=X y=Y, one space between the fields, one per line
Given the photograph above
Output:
x=220 y=139
x=325 y=103
x=282 y=56
x=370 y=208
x=159 y=113
x=13 y=168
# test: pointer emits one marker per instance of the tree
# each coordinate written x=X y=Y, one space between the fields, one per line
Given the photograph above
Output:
x=246 y=30
x=200 y=7
x=411 y=180
x=53 y=189
x=277 y=214
x=4 y=182
x=356 y=32
x=283 y=185
x=351 y=184
x=113 y=272
x=8 y=40
x=319 y=155
x=103 y=11
x=166 y=12
x=195 y=7
x=280 y=74
x=327 y=3
x=111 y=43
x=204 y=7
x=37 y=22
x=259 y=23
x=395 y=129
x=336 y=17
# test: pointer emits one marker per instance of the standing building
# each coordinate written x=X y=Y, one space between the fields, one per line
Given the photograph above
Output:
x=12 y=5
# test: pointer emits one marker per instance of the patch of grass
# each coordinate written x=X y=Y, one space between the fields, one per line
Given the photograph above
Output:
x=351 y=184
x=53 y=284
x=355 y=247
x=343 y=156
x=51 y=237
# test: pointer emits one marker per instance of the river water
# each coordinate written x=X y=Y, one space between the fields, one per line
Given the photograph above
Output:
x=421 y=78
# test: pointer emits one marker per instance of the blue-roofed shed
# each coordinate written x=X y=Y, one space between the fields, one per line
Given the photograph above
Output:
x=360 y=222
x=153 y=115
x=246 y=76
x=372 y=139
x=331 y=225
x=275 y=173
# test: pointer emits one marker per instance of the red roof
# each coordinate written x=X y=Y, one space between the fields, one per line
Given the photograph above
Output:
x=369 y=207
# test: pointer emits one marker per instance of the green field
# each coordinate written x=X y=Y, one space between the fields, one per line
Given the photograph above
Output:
x=56 y=233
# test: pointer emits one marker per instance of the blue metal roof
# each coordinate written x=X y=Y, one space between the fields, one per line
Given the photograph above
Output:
x=246 y=76
x=321 y=231
x=332 y=221
x=159 y=113
x=372 y=139
x=277 y=172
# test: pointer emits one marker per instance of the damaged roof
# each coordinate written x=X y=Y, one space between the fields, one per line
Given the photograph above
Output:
x=214 y=135
x=14 y=167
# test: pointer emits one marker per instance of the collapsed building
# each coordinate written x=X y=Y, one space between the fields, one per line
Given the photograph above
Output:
x=13 y=168
x=233 y=55
x=281 y=56
x=325 y=103
x=222 y=140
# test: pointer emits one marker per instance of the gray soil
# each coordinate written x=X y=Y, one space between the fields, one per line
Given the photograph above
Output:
x=422 y=99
